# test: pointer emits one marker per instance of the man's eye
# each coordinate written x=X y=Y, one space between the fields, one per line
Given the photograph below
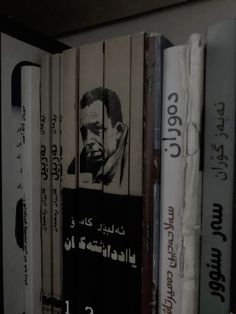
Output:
x=96 y=129
x=83 y=131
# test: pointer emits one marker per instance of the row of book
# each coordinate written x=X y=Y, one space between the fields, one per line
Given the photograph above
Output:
x=114 y=143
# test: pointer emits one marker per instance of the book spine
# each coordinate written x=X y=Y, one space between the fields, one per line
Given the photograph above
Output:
x=159 y=44
x=148 y=154
x=117 y=72
x=136 y=141
x=180 y=178
x=191 y=219
x=46 y=184
x=91 y=96
x=219 y=165
x=31 y=179
x=69 y=117
x=136 y=115
x=69 y=144
x=154 y=45
x=90 y=161
x=122 y=211
x=14 y=220
x=56 y=186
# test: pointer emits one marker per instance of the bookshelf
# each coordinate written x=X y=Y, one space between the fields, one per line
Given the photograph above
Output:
x=60 y=17
x=176 y=22
x=89 y=22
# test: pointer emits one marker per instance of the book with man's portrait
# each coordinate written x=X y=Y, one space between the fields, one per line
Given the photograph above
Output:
x=105 y=236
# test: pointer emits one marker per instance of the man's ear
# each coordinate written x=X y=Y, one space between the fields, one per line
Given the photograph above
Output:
x=119 y=130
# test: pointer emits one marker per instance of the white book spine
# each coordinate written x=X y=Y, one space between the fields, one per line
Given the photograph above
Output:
x=56 y=187
x=46 y=189
x=31 y=179
x=181 y=178
x=217 y=278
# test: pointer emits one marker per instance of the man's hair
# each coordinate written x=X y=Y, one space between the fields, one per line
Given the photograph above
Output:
x=109 y=99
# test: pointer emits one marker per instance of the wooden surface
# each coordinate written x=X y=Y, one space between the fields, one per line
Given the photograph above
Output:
x=58 y=17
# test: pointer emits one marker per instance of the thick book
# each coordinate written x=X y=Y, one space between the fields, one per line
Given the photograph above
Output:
x=181 y=178
x=46 y=184
x=219 y=169
x=31 y=186
x=18 y=46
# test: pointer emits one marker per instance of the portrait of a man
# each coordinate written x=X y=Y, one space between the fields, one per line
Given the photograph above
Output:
x=104 y=136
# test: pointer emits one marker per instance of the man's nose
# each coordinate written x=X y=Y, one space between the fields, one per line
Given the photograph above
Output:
x=89 y=146
x=90 y=138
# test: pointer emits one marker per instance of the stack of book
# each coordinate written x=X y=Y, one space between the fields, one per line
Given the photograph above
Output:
x=122 y=180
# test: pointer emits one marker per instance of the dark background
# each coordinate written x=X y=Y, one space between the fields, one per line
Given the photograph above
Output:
x=59 y=17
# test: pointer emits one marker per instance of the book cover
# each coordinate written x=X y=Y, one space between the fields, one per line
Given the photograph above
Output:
x=31 y=182
x=180 y=209
x=219 y=165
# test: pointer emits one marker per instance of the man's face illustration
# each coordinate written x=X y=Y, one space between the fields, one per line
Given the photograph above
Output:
x=93 y=131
